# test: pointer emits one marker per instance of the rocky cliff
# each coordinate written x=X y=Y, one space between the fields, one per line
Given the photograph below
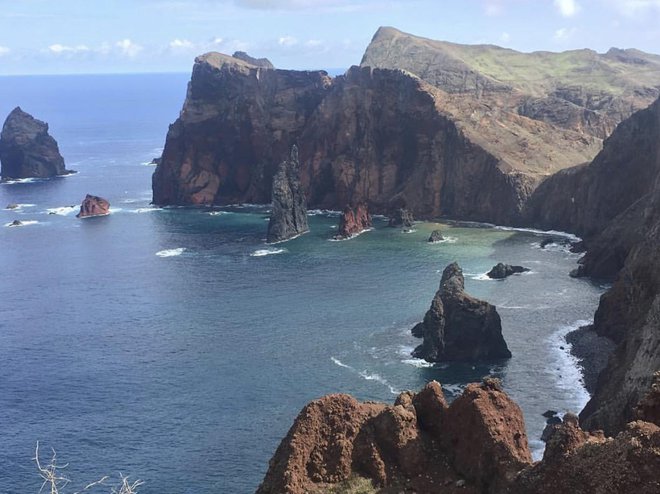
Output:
x=353 y=221
x=459 y=327
x=579 y=90
x=477 y=444
x=387 y=137
x=615 y=203
x=288 y=217
x=27 y=150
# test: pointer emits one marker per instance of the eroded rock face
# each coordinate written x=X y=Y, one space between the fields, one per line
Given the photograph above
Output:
x=353 y=221
x=501 y=271
x=27 y=150
x=413 y=443
x=288 y=218
x=93 y=206
x=459 y=327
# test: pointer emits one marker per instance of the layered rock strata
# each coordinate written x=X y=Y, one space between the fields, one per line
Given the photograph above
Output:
x=459 y=327
x=27 y=150
x=353 y=221
x=288 y=218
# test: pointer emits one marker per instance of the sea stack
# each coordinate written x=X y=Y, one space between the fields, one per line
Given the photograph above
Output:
x=353 y=221
x=459 y=327
x=27 y=150
x=93 y=206
x=401 y=217
x=288 y=218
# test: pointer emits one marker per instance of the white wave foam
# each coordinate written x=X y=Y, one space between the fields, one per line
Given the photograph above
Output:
x=445 y=240
x=323 y=212
x=340 y=363
x=553 y=233
x=480 y=277
x=20 y=181
x=367 y=376
x=171 y=252
x=455 y=389
x=145 y=210
x=62 y=210
x=569 y=378
x=217 y=213
x=349 y=238
x=18 y=207
x=23 y=223
x=418 y=362
x=267 y=252
x=409 y=230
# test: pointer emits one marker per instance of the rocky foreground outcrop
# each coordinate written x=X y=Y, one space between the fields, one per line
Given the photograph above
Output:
x=385 y=134
x=459 y=327
x=353 y=221
x=93 y=206
x=27 y=150
x=420 y=444
x=477 y=444
x=288 y=218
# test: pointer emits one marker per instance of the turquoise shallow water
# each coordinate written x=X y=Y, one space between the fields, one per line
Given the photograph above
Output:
x=174 y=345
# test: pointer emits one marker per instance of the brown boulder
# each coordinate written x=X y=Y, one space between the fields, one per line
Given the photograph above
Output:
x=93 y=206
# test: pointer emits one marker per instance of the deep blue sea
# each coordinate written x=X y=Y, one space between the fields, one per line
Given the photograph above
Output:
x=174 y=346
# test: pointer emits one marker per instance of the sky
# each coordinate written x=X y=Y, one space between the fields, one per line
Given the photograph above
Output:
x=122 y=36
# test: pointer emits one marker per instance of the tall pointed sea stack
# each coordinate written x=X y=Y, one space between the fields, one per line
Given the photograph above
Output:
x=27 y=150
x=459 y=327
x=289 y=215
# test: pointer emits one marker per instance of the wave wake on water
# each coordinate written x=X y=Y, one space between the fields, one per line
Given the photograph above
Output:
x=267 y=252
x=367 y=376
x=171 y=252
x=23 y=223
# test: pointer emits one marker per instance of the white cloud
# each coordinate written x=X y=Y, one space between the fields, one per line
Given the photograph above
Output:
x=128 y=48
x=313 y=43
x=59 y=49
x=492 y=9
x=504 y=37
x=181 y=44
x=635 y=8
x=287 y=41
x=567 y=8
x=4 y=51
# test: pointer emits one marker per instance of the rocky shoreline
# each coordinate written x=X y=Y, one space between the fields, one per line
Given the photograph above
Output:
x=592 y=351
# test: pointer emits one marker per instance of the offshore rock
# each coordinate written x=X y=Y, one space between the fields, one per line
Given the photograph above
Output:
x=436 y=236
x=415 y=443
x=459 y=327
x=93 y=206
x=353 y=221
x=27 y=150
x=501 y=271
x=401 y=217
x=288 y=218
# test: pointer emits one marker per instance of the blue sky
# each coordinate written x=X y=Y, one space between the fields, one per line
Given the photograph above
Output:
x=99 y=36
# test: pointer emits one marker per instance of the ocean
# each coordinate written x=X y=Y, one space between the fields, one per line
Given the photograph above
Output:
x=174 y=346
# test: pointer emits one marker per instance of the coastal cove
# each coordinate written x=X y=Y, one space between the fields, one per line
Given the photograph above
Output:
x=174 y=345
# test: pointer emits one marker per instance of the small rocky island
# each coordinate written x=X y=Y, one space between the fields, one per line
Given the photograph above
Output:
x=436 y=237
x=27 y=150
x=353 y=221
x=402 y=218
x=93 y=206
x=288 y=218
x=459 y=327
x=501 y=271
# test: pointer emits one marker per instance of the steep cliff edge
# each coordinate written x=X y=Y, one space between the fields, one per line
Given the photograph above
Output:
x=615 y=203
x=579 y=90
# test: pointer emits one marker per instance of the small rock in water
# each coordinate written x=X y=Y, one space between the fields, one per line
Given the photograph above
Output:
x=549 y=413
x=436 y=236
x=501 y=271
x=12 y=206
x=93 y=206
x=16 y=223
